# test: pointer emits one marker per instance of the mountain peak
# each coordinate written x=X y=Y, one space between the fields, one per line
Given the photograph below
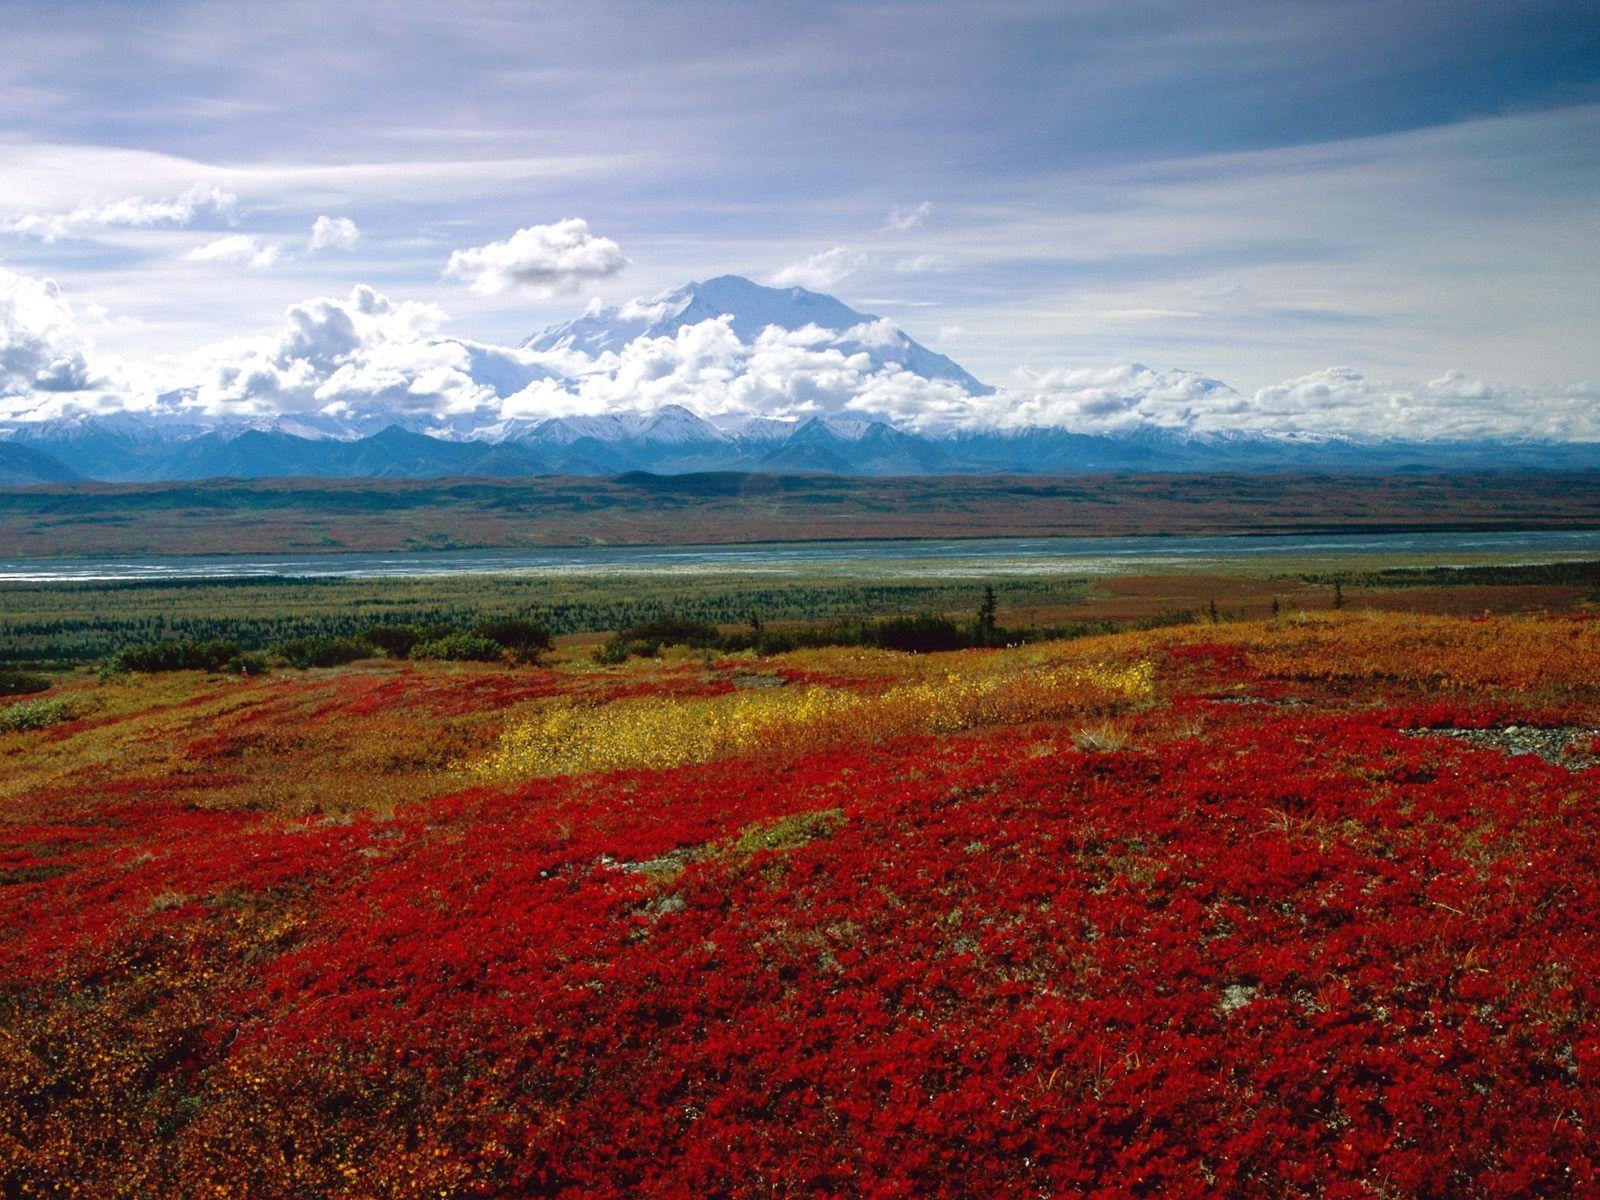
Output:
x=754 y=307
x=750 y=308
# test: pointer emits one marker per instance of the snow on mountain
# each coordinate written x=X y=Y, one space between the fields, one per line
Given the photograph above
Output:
x=672 y=425
x=752 y=309
x=728 y=375
x=758 y=429
x=81 y=426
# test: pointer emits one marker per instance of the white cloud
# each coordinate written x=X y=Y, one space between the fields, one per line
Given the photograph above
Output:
x=349 y=364
x=541 y=258
x=41 y=347
x=52 y=176
x=1337 y=402
x=133 y=212
x=338 y=233
x=340 y=354
x=820 y=270
x=240 y=249
x=706 y=368
x=1341 y=402
x=920 y=264
x=333 y=363
x=903 y=220
x=1112 y=400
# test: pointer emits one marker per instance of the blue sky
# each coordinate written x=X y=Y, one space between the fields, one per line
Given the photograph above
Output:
x=1251 y=190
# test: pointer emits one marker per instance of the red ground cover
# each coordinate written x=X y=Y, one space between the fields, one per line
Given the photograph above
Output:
x=1306 y=954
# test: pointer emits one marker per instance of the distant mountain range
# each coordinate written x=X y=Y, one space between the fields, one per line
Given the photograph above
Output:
x=375 y=442
x=23 y=466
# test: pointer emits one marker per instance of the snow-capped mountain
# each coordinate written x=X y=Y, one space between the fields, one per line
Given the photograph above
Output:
x=753 y=309
x=724 y=375
x=671 y=425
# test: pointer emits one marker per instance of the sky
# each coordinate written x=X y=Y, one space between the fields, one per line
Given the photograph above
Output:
x=1406 y=192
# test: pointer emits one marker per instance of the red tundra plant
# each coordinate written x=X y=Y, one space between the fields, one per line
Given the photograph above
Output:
x=1308 y=955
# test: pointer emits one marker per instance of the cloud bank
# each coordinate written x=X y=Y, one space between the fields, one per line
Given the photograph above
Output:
x=348 y=365
x=133 y=212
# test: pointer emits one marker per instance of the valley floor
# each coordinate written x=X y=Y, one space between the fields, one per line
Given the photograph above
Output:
x=1225 y=909
x=320 y=516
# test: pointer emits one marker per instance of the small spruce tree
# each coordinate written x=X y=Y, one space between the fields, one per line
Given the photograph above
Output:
x=988 y=625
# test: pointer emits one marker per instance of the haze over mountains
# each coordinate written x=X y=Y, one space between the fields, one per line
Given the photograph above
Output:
x=714 y=376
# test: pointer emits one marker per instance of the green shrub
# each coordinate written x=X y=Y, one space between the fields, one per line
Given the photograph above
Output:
x=35 y=714
x=670 y=630
x=459 y=647
x=176 y=656
x=394 y=640
x=305 y=653
x=922 y=634
x=646 y=639
x=525 y=639
x=613 y=651
x=21 y=683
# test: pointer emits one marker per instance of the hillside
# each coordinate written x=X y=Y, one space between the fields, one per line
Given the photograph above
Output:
x=23 y=466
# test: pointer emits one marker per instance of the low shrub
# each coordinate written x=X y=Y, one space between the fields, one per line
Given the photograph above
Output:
x=21 y=683
x=305 y=653
x=670 y=630
x=923 y=634
x=459 y=647
x=176 y=656
x=35 y=714
x=524 y=639
x=394 y=640
x=613 y=651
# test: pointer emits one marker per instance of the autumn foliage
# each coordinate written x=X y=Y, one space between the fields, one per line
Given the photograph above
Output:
x=895 y=929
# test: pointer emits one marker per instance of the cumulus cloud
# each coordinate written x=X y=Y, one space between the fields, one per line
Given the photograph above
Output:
x=42 y=348
x=820 y=270
x=132 y=212
x=784 y=374
x=1342 y=402
x=335 y=357
x=338 y=365
x=351 y=364
x=1112 y=400
x=541 y=258
x=238 y=249
x=337 y=233
x=1338 y=402
x=907 y=218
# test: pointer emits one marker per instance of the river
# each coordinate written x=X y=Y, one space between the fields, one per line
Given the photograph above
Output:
x=957 y=559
